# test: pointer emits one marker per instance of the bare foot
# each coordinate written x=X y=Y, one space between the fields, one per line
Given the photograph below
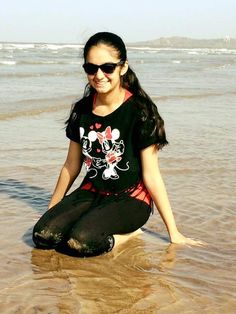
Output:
x=121 y=238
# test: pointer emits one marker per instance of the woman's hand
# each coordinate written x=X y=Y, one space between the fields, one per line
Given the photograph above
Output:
x=178 y=238
x=154 y=183
x=68 y=174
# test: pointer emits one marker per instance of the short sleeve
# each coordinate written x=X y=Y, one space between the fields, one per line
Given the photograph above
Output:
x=72 y=128
x=149 y=127
x=146 y=134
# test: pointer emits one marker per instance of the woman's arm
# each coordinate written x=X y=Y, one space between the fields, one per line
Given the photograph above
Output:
x=154 y=183
x=68 y=174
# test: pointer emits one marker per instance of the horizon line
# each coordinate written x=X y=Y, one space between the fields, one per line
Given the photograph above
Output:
x=225 y=38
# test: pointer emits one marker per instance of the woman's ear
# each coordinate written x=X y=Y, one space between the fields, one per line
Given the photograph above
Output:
x=124 y=68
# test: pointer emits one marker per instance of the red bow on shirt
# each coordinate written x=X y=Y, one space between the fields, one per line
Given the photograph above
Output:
x=106 y=136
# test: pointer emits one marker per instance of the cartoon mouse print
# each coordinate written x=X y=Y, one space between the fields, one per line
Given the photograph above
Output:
x=111 y=149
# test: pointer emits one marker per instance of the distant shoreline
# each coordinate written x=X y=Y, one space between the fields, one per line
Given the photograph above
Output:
x=185 y=42
x=162 y=42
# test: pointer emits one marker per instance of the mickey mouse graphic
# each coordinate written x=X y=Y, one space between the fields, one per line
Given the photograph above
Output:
x=110 y=147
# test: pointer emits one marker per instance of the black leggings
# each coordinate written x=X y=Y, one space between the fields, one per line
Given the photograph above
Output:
x=84 y=222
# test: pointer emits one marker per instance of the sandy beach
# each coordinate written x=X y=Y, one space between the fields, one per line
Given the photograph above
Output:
x=196 y=96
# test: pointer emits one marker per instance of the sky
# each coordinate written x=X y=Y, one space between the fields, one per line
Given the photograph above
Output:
x=73 y=21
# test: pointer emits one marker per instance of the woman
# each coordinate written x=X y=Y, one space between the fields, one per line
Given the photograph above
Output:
x=116 y=131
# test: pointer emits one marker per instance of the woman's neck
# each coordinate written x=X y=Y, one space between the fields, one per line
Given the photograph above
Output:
x=111 y=99
x=107 y=103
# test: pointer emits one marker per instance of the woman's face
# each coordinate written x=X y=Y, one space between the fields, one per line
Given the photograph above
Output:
x=102 y=82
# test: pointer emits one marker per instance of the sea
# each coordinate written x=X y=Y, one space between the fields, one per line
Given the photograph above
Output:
x=195 y=92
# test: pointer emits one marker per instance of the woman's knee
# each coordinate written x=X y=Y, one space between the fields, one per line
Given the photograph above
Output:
x=87 y=244
x=44 y=237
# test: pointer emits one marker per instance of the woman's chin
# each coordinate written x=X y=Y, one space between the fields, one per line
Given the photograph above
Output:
x=102 y=88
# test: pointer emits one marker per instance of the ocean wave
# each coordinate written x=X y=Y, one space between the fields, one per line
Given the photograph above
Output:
x=176 y=61
x=48 y=105
x=69 y=73
x=38 y=46
x=32 y=106
x=218 y=66
x=207 y=51
x=191 y=51
x=7 y=62
x=20 y=46
x=39 y=62
x=32 y=112
x=193 y=96
x=155 y=48
x=58 y=47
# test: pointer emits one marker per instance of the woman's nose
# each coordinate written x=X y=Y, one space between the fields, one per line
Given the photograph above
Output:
x=99 y=73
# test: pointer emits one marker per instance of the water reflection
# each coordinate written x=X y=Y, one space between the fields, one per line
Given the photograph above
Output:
x=131 y=278
x=32 y=195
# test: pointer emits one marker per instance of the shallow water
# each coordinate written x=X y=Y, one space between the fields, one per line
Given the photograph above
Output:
x=197 y=99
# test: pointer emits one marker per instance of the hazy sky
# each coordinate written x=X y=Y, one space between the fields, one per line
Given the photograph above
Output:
x=73 y=21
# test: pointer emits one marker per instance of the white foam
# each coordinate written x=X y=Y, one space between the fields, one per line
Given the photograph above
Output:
x=8 y=62
x=176 y=61
x=26 y=46
x=60 y=46
x=75 y=62
x=147 y=48
x=191 y=51
x=18 y=46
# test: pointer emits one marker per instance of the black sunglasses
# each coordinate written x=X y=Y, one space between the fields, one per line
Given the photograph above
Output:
x=107 y=68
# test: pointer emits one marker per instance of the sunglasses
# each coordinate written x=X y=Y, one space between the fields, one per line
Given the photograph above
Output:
x=107 y=68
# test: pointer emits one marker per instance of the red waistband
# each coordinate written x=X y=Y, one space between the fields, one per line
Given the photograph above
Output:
x=139 y=191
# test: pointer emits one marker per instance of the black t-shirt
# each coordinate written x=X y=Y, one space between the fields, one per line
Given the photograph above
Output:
x=111 y=144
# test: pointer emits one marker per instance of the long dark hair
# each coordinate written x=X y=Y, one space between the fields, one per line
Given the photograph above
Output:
x=129 y=81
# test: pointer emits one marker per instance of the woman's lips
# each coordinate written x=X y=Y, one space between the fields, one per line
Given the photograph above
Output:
x=101 y=84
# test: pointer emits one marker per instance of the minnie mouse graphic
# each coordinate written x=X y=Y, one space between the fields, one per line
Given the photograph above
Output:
x=109 y=146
